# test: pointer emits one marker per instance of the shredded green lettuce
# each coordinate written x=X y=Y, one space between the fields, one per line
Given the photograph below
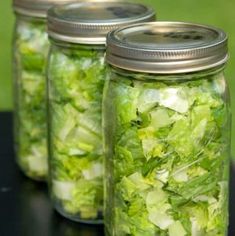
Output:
x=167 y=152
x=76 y=78
x=30 y=52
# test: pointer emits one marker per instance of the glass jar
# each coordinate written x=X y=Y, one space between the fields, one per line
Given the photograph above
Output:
x=76 y=74
x=30 y=51
x=167 y=131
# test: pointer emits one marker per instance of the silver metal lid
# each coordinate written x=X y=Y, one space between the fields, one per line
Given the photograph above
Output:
x=167 y=47
x=36 y=8
x=90 y=22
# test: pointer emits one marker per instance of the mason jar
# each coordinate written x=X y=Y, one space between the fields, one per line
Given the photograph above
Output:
x=167 y=131
x=30 y=49
x=76 y=74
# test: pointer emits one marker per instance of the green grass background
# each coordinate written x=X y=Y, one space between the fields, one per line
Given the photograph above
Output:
x=220 y=13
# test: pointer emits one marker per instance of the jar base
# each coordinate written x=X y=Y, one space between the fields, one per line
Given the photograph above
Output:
x=76 y=218
x=31 y=176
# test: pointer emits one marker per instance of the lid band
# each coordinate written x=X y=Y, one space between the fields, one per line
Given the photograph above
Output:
x=90 y=22
x=37 y=8
x=167 y=47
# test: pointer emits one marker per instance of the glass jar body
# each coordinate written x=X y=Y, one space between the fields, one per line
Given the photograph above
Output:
x=75 y=84
x=30 y=49
x=167 y=147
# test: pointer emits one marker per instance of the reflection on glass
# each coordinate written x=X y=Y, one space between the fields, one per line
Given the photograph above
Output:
x=37 y=217
x=63 y=227
x=35 y=209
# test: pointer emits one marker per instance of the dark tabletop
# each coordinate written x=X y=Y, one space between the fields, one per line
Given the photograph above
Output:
x=25 y=208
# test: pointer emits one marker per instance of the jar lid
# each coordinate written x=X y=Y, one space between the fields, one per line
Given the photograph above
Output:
x=90 y=22
x=36 y=8
x=167 y=47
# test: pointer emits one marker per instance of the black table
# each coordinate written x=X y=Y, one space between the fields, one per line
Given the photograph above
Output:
x=25 y=208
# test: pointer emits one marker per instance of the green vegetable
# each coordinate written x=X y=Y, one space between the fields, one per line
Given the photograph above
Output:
x=167 y=152
x=30 y=52
x=76 y=78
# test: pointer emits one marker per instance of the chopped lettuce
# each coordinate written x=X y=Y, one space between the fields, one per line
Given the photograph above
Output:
x=76 y=80
x=30 y=52
x=167 y=152
x=177 y=229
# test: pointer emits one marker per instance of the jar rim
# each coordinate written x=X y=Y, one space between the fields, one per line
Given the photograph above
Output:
x=65 y=44
x=171 y=78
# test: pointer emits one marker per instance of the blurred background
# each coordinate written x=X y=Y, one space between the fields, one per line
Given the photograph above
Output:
x=214 y=12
